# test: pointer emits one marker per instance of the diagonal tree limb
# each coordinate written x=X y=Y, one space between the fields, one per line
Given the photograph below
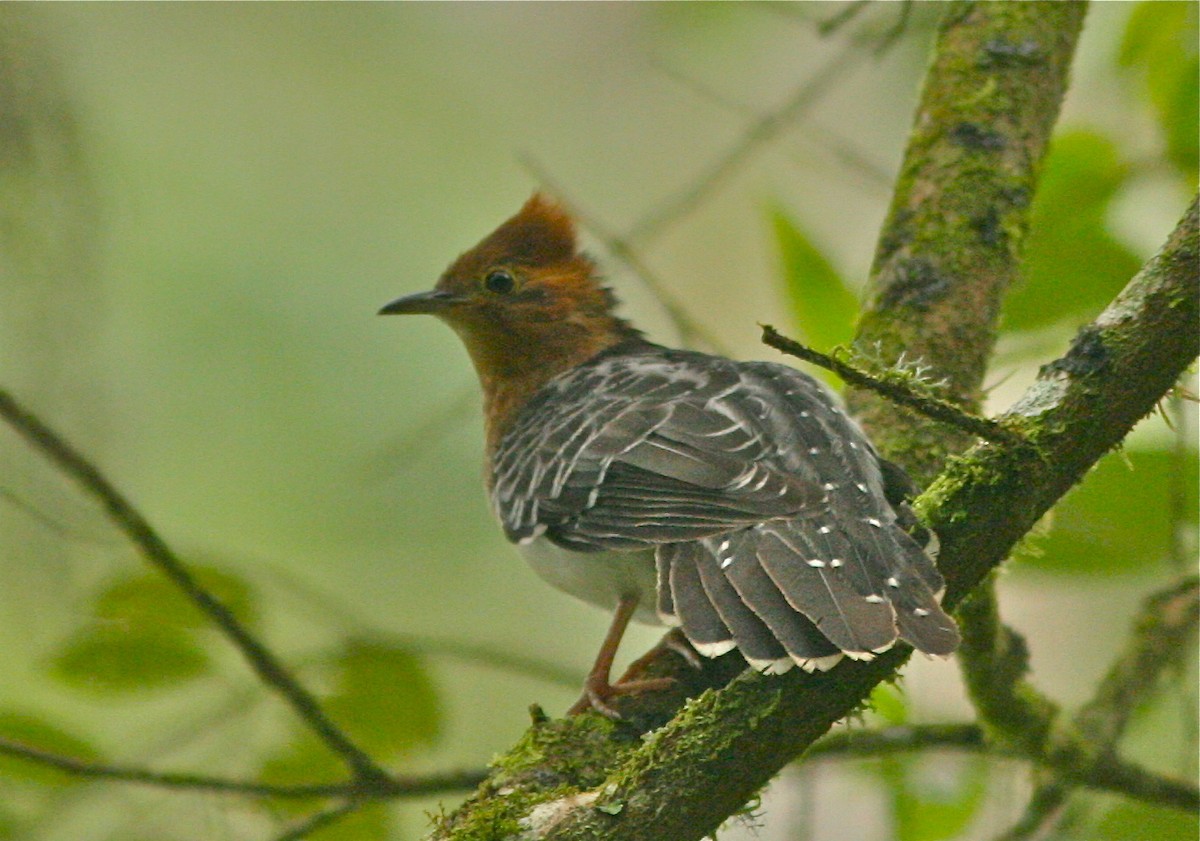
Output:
x=761 y=725
x=1081 y=406
x=684 y=779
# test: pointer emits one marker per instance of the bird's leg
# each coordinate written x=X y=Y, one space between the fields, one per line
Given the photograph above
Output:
x=597 y=690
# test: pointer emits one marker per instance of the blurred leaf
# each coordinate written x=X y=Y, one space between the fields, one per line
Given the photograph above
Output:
x=1118 y=518
x=1073 y=267
x=887 y=702
x=111 y=658
x=150 y=599
x=823 y=306
x=385 y=697
x=9 y=826
x=35 y=732
x=370 y=823
x=932 y=797
x=1160 y=39
x=302 y=760
x=1132 y=821
x=926 y=809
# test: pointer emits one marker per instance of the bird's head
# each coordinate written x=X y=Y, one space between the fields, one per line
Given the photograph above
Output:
x=525 y=301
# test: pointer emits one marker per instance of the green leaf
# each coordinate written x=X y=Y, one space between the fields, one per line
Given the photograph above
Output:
x=150 y=599
x=385 y=698
x=823 y=305
x=369 y=823
x=1119 y=518
x=9 y=825
x=1073 y=267
x=1131 y=821
x=887 y=702
x=112 y=658
x=35 y=732
x=1160 y=40
x=929 y=807
x=301 y=760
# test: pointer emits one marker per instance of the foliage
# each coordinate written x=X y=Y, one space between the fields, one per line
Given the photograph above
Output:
x=136 y=676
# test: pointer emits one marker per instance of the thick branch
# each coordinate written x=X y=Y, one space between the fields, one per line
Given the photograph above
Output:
x=1081 y=406
x=952 y=241
x=715 y=755
x=689 y=775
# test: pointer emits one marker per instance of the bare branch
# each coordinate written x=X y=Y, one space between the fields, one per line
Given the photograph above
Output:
x=690 y=331
x=757 y=135
x=156 y=551
x=396 y=787
x=320 y=820
x=1115 y=775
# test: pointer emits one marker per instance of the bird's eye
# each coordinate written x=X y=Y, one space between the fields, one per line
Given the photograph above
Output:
x=499 y=281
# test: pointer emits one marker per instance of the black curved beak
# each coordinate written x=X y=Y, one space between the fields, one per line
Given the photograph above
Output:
x=432 y=302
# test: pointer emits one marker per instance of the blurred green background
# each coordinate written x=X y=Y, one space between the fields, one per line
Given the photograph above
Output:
x=204 y=206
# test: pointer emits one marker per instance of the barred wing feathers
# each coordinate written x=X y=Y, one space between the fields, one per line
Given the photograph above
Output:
x=776 y=526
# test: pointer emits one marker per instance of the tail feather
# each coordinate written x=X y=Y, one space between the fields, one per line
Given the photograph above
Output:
x=919 y=615
x=701 y=623
x=753 y=637
x=798 y=635
x=815 y=585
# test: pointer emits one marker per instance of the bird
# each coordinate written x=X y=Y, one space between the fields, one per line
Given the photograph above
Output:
x=733 y=501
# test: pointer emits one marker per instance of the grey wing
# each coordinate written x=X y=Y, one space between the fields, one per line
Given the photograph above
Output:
x=645 y=451
x=772 y=514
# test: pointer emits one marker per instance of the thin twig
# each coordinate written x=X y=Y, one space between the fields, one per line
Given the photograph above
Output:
x=320 y=820
x=1045 y=806
x=1115 y=774
x=690 y=331
x=766 y=128
x=416 y=443
x=904 y=738
x=928 y=405
x=841 y=148
x=156 y=551
x=396 y=786
x=841 y=17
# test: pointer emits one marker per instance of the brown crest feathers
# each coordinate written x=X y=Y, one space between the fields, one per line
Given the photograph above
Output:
x=540 y=234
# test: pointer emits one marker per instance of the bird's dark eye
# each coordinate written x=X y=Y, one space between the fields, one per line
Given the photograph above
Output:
x=499 y=281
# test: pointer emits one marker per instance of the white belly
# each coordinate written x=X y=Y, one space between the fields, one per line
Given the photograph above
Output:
x=600 y=578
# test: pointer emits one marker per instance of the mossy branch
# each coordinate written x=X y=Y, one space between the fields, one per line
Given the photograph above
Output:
x=685 y=778
x=952 y=241
x=989 y=105
x=724 y=745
